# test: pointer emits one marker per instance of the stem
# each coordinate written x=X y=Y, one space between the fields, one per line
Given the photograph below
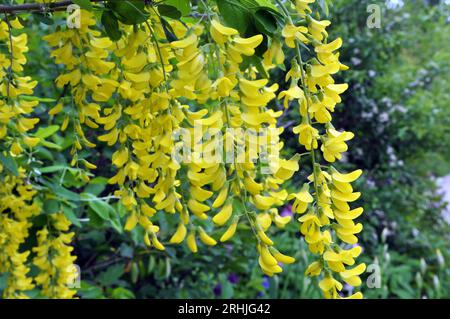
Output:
x=11 y=55
x=155 y=40
x=307 y=93
x=228 y=121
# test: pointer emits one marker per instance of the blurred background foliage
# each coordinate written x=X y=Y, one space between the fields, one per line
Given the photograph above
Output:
x=398 y=106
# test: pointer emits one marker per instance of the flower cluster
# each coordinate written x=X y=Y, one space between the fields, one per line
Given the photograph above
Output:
x=326 y=213
x=14 y=88
x=18 y=199
x=16 y=210
x=192 y=119
x=57 y=273
x=84 y=54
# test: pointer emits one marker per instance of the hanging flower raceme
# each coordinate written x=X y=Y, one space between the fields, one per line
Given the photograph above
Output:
x=14 y=90
x=142 y=122
x=323 y=203
x=57 y=271
x=17 y=208
x=191 y=117
x=84 y=53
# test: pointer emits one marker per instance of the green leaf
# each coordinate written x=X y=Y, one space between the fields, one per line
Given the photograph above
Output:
x=56 y=168
x=122 y=293
x=237 y=13
x=267 y=4
x=227 y=290
x=265 y=22
x=184 y=6
x=115 y=220
x=51 y=206
x=134 y=273
x=324 y=6
x=61 y=191
x=44 y=132
x=68 y=212
x=36 y=98
x=50 y=145
x=169 y=11
x=111 y=275
x=115 y=223
x=43 y=18
x=10 y=164
x=84 y=4
x=89 y=291
x=129 y=12
x=168 y=31
x=258 y=63
x=94 y=220
x=100 y=207
x=96 y=185
x=111 y=25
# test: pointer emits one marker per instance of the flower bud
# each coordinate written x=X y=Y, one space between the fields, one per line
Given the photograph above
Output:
x=419 y=280
x=440 y=258
x=423 y=266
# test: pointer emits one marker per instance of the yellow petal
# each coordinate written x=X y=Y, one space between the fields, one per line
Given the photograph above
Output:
x=347 y=178
x=206 y=239
x=191 y=242
x=179 y=235
x=229 y=232
x=222 y=217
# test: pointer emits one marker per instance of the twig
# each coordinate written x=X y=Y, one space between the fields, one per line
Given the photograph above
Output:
x=42 y=7
x=11 y=55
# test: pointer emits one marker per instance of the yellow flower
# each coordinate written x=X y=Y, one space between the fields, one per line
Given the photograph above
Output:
x=302 y=7
x=294 y=92
x=317 y=28
x=205 y=238
x=221 y=33
x=179 y=235
x=223 y=215
x=334 y=144
x=302 y=199
x=231 y=230
x=291 y=33
x=307 y=136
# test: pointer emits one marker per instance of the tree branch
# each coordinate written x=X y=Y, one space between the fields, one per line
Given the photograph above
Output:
x=33 y=6
x=40 y=7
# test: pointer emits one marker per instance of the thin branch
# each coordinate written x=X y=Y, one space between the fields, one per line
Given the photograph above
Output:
x=42 y=7
x=11 y=56
x=34 y=6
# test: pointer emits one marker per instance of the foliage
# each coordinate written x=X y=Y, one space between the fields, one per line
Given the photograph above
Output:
x=396 y=104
